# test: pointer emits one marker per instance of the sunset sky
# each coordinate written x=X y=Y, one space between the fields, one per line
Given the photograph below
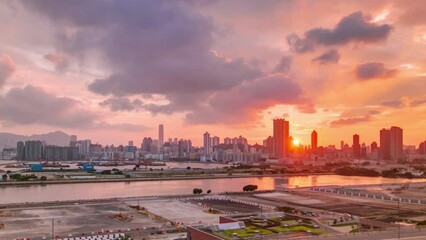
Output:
x=112 y=71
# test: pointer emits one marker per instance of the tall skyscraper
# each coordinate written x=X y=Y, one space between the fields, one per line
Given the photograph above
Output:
x=268 y=144
x=215 y=141
x=73 y=140
x=20 y=151
x=314 y=140
x=207 y=144
x=33 y=150
x=391 y=144
x=84 y=147
x=160 y=136
x=356 y=147
x=422 y=148
x=281 y=138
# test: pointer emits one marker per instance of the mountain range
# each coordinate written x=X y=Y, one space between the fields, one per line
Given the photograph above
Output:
x=58 y=138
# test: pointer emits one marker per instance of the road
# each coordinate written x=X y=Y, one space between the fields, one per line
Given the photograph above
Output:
x=419 y=234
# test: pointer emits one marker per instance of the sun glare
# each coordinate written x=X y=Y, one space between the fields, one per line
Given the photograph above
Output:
x=296 y=142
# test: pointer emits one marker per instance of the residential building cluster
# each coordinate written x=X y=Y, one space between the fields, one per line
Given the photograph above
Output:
x=279 y=148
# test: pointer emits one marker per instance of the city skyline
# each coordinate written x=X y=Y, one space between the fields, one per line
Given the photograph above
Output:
x=353 y=70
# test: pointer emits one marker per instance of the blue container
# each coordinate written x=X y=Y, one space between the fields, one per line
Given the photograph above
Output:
x=88 y=166
x=37 y=167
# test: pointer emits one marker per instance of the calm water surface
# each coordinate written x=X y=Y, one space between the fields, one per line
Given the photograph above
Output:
x=38 y=193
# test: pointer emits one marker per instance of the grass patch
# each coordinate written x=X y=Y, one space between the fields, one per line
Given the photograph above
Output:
x=297 y=229
x=247 y=232
x=344 y=224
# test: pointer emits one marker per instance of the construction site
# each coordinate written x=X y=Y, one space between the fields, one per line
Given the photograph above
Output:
x=308 y=212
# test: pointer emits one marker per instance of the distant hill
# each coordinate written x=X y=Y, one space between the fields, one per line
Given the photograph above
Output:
x=54 y=138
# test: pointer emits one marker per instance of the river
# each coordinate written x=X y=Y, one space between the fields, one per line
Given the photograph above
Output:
x=61 y=192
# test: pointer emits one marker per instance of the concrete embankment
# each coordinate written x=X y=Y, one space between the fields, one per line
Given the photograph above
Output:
x=67 y=181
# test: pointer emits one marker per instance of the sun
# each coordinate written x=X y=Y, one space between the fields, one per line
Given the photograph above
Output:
x=296 y=142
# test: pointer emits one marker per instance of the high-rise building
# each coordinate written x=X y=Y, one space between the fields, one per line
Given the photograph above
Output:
x=281 y=138
x=268 y=144
x=391 y=144
x=374 y=151
x=207 y=144
x=227 y=140
x=215 y=141
x=396 y=143
x=73 y=140
x=356 y=147
x=33 y=150
x=131 y=143
x=84 y=147
x=160 y=136
x=314 y=140
x=422 y=148
x=147 y=144
x=20 y=151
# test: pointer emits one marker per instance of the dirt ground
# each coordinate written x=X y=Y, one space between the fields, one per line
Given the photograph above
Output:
x=71 y=219
x=229 y=206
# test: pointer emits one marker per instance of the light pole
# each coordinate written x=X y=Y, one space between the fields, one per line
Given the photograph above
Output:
x=399 y=233
x=53 y=228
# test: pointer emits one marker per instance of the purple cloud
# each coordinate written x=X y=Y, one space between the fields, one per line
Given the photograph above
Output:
x=329 y=57
x=349 y=121
x=121 y=104
x=356 y=27
x=373 y=70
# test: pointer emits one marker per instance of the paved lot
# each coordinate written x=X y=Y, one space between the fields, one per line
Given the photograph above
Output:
x=177 y=211
x=72 y=219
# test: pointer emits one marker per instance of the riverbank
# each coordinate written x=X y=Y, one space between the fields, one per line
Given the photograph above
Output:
x=171 y=178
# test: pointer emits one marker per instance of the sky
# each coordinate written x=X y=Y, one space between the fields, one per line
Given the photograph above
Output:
x=112 y=71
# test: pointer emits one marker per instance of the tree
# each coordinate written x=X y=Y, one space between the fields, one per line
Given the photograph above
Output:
x=43 y=178
x=249 y=188
x=188 y=168
x=209 y=191
x=4 y=177
x=197 y=191
x=125 y=237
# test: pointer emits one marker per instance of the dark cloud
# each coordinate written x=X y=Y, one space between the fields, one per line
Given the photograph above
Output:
x=245 y=102
x=349 y=121
x=356 y=27
x=284 y=65
x=59 y=61
x=151 y=47
x=32 y=105
x=122 y=104
x=416 y=103
x=355 y=116
x=393 y=103
x=331 y=56
x=373 y=70
x=7 y=67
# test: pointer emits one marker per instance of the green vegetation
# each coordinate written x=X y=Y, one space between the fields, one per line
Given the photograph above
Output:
x=247 y=232
x=19 y=177
x=249 y=188
x=297 y=229
x=197 y=191
x=344 y=224
x=350 y=171
x=421 y=223
x=286 y=210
